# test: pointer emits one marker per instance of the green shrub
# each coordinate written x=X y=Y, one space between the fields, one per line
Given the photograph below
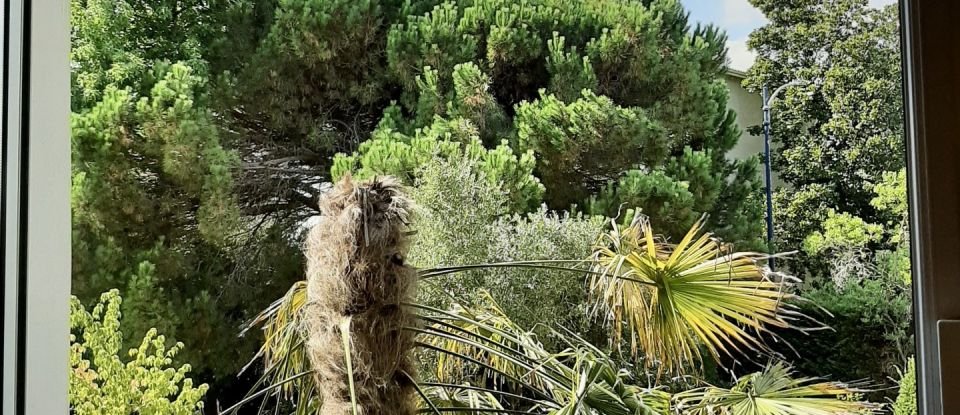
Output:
x=537 y=296
x=103 y=383
x=906 y=403
x=470 y=126
x=453 y=205
x=867 y=318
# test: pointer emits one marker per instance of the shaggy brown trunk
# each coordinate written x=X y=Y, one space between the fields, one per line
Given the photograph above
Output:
x=356 y=271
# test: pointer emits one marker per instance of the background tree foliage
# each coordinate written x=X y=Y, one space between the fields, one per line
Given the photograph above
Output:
x=840 y=133
x=841 y=154
x=203 y=132
x=496 y=71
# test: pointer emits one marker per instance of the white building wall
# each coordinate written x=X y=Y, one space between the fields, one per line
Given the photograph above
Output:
x=749 y=109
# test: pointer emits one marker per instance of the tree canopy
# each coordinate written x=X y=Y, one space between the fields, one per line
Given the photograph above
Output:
x=842 y=130
x=154 y=201
x=588 y=92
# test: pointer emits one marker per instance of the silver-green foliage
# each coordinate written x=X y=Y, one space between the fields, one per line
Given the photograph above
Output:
x=101 y=382
x=462 y=219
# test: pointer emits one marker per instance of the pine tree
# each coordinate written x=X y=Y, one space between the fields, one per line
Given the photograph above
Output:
x=621 y=103
x=155 y=212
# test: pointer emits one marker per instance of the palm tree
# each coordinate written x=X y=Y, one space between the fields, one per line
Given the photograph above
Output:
x=667 y=301
x=354 y=314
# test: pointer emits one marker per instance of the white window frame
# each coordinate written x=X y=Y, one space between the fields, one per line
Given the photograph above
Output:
x=36 y=206
x=931 y=91
x=36 y=210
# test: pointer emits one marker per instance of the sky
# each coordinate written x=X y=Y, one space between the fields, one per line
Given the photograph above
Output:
x=738 y=18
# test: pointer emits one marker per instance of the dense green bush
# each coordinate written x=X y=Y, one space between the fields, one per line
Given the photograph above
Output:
x=870 y=317
x=620 y=103
x=101 y=382
x=858 y=276
x=154 y=205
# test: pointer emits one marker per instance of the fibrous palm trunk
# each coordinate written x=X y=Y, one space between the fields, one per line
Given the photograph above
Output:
x=356 y=273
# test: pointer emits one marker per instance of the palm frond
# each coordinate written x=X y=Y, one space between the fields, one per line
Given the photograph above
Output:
x=566 y=265
x=461 y=398
x=582 y=379
x=345 y=341
x=485 y=333
x=283 y=354
x=264 y=393
x=775 y=392
x=579 y=380
x=671 y=299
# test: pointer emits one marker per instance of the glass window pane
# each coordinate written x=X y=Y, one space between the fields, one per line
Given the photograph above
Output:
x=423 y=205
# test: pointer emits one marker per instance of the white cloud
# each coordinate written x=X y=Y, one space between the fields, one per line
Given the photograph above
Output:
x=881 y=3
x=740 y=13
x=738 y=18
x=738 y=56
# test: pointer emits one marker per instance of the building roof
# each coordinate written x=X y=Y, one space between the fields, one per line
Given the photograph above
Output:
x=736 y=73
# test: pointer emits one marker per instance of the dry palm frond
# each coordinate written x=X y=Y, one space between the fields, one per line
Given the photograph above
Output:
x=286 y=366
x=674 y=298
x=774 y=392
x=483 y=334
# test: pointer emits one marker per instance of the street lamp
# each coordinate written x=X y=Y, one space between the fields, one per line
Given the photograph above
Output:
x=767 y=101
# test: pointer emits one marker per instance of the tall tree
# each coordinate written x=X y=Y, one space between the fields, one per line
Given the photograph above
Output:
x=313 y=83
x=841 y=154
x=154 y=207
x=841 y=131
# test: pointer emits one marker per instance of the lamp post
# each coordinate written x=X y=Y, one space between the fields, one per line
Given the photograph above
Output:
x=767 y=101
